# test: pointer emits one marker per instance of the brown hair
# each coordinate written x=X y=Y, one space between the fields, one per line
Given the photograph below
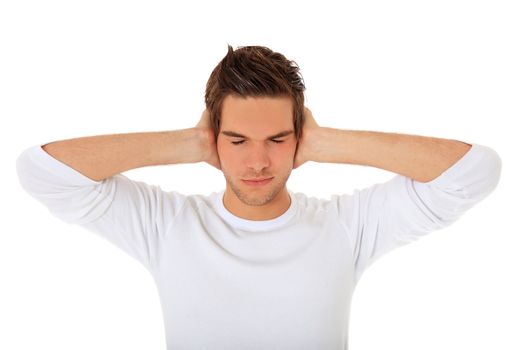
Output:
x=252 y=71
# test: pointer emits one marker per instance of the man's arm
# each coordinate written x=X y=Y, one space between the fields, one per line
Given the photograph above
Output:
x=78 y=180
x=102 y=156
x=418 y=157
x=429 y=192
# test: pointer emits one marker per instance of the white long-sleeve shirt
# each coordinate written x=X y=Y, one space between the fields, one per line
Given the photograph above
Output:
x=229 y=283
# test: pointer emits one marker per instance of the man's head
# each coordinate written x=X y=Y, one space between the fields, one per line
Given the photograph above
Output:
x=255 y=71
x=255 y=99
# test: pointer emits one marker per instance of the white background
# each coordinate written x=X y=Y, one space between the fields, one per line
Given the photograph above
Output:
x=451 y=69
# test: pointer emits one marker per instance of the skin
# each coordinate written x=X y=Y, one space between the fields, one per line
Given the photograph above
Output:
x=421 y=158
x=258 y=155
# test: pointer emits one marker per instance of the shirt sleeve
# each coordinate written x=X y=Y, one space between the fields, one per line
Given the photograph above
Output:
x=131 y=214
x=401 y=210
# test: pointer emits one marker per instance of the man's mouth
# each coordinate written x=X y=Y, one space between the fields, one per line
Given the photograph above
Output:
x=257 y=182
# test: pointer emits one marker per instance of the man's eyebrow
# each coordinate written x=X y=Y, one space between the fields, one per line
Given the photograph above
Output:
x=235 y=134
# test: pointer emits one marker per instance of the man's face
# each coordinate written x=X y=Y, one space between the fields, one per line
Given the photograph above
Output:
x=257 y=153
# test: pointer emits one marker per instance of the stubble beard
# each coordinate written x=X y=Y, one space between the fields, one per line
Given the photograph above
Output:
x=259 y=197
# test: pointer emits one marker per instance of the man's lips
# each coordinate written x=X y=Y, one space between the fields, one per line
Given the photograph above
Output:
x=257 y=182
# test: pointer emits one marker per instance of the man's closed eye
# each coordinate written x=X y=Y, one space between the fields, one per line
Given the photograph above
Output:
x=240 y=142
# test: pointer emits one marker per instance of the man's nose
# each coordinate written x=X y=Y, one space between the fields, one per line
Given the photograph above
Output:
x=257 y=158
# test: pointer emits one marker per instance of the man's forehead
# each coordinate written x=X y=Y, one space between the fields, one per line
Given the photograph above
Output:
x=234 y=108
x=257 y=117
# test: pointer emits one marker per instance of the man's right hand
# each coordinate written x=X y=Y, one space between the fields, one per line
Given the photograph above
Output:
x=210 y=154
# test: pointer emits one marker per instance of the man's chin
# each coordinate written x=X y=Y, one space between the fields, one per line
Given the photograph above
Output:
x=258 y=196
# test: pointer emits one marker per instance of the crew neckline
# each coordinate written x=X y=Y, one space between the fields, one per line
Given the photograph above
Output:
x=255 y=225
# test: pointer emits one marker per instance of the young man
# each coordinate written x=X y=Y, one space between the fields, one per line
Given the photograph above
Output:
x=257 y=266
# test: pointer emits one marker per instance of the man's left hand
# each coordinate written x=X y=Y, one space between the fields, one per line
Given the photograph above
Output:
x=305 y=146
